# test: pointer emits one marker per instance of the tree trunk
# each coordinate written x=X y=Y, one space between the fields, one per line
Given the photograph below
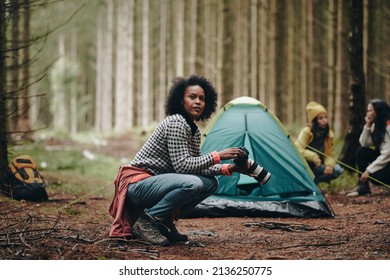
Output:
x=200 y=38
x=253 y=50
x=59 y=104
x=74 y=105
x=209 y=43
x=289 y=86
x=122 y=73
x=377 y=53
x=193 y=34
x=219 y=47
x=23 y=121
x=108 y=70
x=272 y=56
x=368 y=12
x=241 y=40
x=130 y=66
x=310 y=77
x=386 y=51
x=163 y=81
x=179 y=38
x=280 y=73
x=14 y=67
x=357 y=84
x=237 y=85
x=228 y=53
x=146 y=96
x=304 y=62
x=340 y=121
x=99 y=68
x=3 y=109
x=244 y=49
x=331 y=74
x=264 y=59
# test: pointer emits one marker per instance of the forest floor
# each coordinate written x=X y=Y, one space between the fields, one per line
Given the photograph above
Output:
x=359 y=231
x=66 y=228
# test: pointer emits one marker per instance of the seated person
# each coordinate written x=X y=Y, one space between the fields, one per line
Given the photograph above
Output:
x=315 y=141
x=373 y=157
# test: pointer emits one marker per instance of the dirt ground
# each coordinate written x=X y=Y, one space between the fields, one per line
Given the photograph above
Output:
x=49 y=230
x=360 y=230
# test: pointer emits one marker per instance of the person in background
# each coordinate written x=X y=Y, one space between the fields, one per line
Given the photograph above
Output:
x=169 y=174
x=315 y=143
x=373 y=157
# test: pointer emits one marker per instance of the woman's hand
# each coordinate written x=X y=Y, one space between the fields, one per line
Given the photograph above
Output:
x=368 y=121
x=365 y=176
x=317 y=162
x=235 y=168
x=230 y=153
x=328 y=170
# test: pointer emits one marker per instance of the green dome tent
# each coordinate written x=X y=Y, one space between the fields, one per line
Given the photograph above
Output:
x=291 y=191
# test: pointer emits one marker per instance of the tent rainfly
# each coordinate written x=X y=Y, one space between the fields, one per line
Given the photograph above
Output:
x=291 y=191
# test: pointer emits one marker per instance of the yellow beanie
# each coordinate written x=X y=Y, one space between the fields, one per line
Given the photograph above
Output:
x=313 y=109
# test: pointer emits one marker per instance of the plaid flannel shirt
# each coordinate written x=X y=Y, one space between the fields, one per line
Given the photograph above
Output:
x=173 y=148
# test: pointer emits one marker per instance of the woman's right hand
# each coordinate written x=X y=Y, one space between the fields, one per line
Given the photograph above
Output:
x=235 y=168
x=368 y=121
x=317 y=162
x=230 y=153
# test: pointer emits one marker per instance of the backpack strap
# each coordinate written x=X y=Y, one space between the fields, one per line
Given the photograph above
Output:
x=24 y=161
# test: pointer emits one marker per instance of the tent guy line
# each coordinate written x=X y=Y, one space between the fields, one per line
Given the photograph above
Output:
x=84 y=196
x=348 y=166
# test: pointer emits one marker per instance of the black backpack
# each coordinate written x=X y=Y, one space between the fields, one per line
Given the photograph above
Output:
x=25 y=182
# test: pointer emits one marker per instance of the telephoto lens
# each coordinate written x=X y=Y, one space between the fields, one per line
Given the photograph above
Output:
x=255 y=170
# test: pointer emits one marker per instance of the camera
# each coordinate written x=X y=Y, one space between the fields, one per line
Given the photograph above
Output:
x=254 y=169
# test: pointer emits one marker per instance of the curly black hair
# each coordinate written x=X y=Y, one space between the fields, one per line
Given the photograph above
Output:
x=174 y=103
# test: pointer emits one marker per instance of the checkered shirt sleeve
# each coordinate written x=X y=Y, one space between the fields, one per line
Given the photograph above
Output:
x=173 y=149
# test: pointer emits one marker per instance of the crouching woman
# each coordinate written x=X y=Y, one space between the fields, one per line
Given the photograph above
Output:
x=169 y=174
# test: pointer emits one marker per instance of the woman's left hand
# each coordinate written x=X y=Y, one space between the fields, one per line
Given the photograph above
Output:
x=230 y=153
x=328 y=170
x=365 y=176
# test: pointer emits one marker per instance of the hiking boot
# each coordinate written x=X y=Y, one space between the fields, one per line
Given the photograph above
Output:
x=169 y=230
x=361 y=189
x=147 y=228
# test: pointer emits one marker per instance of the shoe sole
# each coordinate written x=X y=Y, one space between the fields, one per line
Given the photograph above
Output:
x=171 y=237
x=138 y=234
x=352 y=194
x=355 y=193
x=176 y=240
